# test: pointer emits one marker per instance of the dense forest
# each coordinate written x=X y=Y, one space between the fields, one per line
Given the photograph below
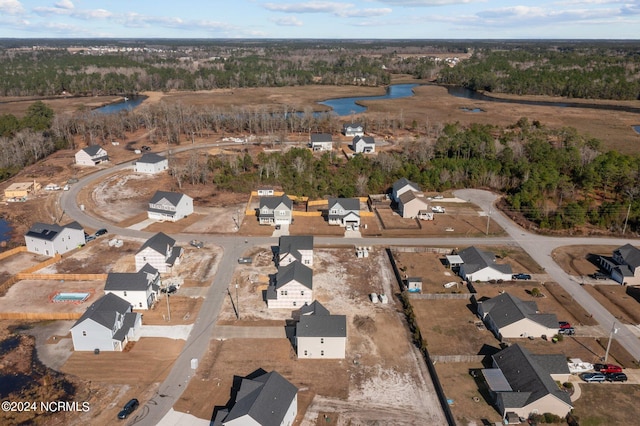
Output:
x=579 y=71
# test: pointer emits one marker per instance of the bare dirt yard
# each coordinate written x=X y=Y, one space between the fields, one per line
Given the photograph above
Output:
x=382 y=376
x=581 y=260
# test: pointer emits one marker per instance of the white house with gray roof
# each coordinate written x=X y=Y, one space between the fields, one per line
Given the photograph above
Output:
x=321 y=142
x=108 y=324
x=295 y=248
x=320 y=335
x=140 y=288
x=291 y=287
x=53 y=239
x=523 y=383
x=159 y=251
x=353 y=129
x=363 y=144
x=412 y=204
x=479 y=265
x=401 y=186
x=510 y=317
x=151 y=163
x=261 y=399
x=344 y=212
x=169 y=206
x=624 y=265
x=91 y=156
x=275 y=210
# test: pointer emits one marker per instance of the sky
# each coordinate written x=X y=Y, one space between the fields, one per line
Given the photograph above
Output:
x=296 y=19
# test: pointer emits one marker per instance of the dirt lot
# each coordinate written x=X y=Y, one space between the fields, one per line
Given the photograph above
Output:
x=581 y=260
x=19 y=262
x=621 y=407
x=381 y=370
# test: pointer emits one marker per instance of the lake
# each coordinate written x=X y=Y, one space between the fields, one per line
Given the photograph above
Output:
x=123 y=105
x=5 y=230
x=348 y=106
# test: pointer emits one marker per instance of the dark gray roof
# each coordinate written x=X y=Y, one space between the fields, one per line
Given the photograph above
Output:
x=322 y=326
x=103 y=311
x=352 y=125
x=507 y=309
x=345 y=203
x=127 y=324
x=151 y=158
x=315 y=308
x=402 y=182
x=366 y=139
x=321 y=137
x=630 y=254
x=526 y=375
x=265 y=399
x=172 y=197
x=273 y=202
x=148 y=269
x=159 y=243
x=476 y=260
x=44 y=231
x=92 y=150
x=292 y=244
x=294 y=271
x=127 y=281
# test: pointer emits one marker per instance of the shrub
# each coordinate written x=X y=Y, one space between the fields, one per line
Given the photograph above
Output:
x=535 y=292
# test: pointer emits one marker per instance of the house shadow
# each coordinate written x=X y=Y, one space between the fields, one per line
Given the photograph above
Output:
x=634 y=292
x=223 y=410
x=488 y=351
x=595 y=260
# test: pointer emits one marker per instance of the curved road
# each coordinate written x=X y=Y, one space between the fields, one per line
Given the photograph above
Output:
x=538 y=247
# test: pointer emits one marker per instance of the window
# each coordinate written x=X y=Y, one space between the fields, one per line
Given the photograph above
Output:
x=301 y=292
x=294 y=303
x=125 y=293
x=84 y=333
x=321 y=353
x=140 y=304
x=305 y=353
x=284 y=293
x=322 y=340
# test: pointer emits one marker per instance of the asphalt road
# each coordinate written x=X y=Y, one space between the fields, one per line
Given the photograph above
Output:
x=538 y=247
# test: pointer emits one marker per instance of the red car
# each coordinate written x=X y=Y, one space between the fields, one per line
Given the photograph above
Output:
x=563 y=325
x=607 y=368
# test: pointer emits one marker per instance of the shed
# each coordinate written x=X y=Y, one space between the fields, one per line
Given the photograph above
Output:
x=414 y=284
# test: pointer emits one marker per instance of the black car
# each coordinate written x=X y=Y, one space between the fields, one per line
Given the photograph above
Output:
x=599 y=276
x=146 y=148
x=616 y=377
x=128 y=408
x=100 y=232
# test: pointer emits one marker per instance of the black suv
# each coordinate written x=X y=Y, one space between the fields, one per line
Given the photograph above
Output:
x=521 y=276
x=128 y=408
x=100 y=232
x=599 y=276
x=616 y=377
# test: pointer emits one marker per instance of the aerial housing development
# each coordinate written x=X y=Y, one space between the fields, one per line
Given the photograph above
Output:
x=265 y=232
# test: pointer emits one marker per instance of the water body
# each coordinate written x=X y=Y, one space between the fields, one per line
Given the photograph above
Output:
x=5 y=230
x=123 y=105
x=348 y=106
x=636 y=128
x=461 y=92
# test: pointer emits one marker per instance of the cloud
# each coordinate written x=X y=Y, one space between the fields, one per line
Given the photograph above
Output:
x=11 y=7
x=426 y=3
x=65 y=4
x=287 y=21
x=344 y=10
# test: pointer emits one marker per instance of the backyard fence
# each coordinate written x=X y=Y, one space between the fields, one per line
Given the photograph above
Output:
x=13 y=251
x=439 y=296
x=456 y=358
x=64 y=277
x=40 y=316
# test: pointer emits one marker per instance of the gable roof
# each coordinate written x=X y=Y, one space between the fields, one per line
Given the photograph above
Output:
x=368 y=140
x=476 y=260
x=315 y=308
x=408 y=196
x=321 y=137
x=345 y=203
x=352 y=126
x=402 y=182
x=159 y=243
x=127 y=281
x=527 y=376
x=45 y=231
x=322 y=326
x=103 y=311
x=172 y=197
x=151 y=158
x=630 y=254
x=294 y=271
x=292 y=244
x=273 y=202
x=266 y=399
x=93 y=150
x=507 y=309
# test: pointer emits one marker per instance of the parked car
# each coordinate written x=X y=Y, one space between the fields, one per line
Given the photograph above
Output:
x=128 y=408
x=196 y=243
x=607 y=368
x=599 y=276
x=88 y=238
x=100 y=232
x=169 y=290
x=521 y=276
x=567 y=331
x=564 y=324
x=593 y=377
x=437 y=209
x=616 y=377
x=438 y=197
x=146 y=148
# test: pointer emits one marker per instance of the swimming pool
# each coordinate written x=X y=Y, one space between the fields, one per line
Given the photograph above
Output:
x=71 y=297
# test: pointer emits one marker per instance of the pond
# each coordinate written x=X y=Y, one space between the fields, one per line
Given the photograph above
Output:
x=348 y=106
x=5 y=230
x=127 y=104
x=636 y=128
